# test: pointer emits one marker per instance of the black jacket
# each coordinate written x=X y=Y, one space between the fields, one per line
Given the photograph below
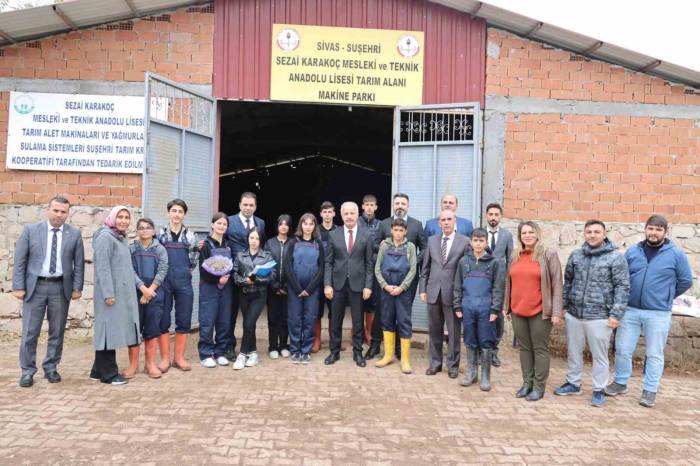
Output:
x=205 y=253
x=278 y=251
x=243 y=266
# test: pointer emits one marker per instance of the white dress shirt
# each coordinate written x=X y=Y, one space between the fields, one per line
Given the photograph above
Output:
x=347 y=236
x=493 y=234
x=47 y=258
x=450 y=239
x=243 y=219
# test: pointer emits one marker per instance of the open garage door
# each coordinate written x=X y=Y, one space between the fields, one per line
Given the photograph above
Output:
x=435 y=153
x=179 y=156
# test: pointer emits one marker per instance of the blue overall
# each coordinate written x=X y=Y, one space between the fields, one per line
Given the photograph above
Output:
x=478 y=330
x=146 y=265
x=215 y=314
x=177 y=287
x=396 y=310
x=302 y=312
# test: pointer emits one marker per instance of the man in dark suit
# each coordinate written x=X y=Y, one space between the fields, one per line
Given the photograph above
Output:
x=500 y=242
x=436 y=285
x=48 y=272
x=239 y=226
x=348 y=278
x=414 y=234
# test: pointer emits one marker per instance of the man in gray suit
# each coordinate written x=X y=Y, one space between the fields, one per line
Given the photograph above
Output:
x=348 y=277
x=500 y=242
x=48 y=272
x=436 y=285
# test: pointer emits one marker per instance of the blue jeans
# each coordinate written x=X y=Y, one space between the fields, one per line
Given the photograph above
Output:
x=654 y=325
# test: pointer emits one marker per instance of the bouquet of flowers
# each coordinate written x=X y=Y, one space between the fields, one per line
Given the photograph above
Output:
x=218 y=266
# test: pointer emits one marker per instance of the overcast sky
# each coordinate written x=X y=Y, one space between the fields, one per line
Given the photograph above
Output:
x=667 y=30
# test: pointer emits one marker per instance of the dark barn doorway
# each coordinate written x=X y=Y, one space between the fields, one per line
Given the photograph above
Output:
x=295 y=156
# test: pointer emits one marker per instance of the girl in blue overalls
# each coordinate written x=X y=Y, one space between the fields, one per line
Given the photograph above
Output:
x=303 y=271
x=181 y=245
x=395 y=269
x=150 y=267
x=478 y=298
x=214 y=299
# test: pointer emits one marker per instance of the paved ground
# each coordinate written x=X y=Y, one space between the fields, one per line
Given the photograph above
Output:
x=279 y=413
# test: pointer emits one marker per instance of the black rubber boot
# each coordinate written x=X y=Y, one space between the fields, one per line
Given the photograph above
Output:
x=373 y=350
x=495 y=360
x=472 y=375
x=486 y=355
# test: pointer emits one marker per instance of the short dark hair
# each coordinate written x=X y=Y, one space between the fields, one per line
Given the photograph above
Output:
x=594 y=221
x=479 y=233
x=146 y=220
x=404 y=195
x=218 y=216
x=494 y=205
x=327 y=205
x=60 y=200
x=307 y=216
x=657 y=221
x=399 y=222
x=369 y=198
x=249 y=195
x=284 y=218
x=258 y=232
x=177 y=202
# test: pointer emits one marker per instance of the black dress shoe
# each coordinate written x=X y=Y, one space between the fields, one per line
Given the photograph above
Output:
x=431 y=371
x=534 y=395
x=523 y=391
x=452 y=374
x=332 y=358
x=26 y=381
x=358 y=358
x=372 y=351
x=53 y=377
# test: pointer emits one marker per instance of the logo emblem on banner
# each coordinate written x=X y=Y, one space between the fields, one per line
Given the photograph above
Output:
x=288 y=40
x=408 y=46
x=24 y=104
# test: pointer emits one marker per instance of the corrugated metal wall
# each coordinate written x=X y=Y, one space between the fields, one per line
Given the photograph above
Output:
x=455 y=53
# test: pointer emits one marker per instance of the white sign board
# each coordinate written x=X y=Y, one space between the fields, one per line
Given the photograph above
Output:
x=75 y=132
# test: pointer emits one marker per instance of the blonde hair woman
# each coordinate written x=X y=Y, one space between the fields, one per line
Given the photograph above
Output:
x=533 y=299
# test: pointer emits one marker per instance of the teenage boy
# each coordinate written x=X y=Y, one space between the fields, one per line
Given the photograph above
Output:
x=395 y=270
x=371 y=307
x=478 y=299
x=181 y=246
x=325 y=228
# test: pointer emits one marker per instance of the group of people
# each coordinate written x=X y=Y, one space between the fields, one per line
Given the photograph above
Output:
x=471 y=279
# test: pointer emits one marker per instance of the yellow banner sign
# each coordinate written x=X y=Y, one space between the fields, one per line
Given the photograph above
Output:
x=346 y=65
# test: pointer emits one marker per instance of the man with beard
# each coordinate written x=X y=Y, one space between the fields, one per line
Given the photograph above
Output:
x=659 y=272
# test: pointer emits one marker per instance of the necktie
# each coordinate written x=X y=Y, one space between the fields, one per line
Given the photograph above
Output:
x=247 y=224
x=350 y=243
x=493 y=241
x=54 y=249
x=444 y=248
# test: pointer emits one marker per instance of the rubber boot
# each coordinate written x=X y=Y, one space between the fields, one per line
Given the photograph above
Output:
x=164 y=344
x=151 y=367
x=389 y=339
x=406 y=355
x=495 y=360
x=133 y=368
x=369 y=319
x=317 y=337
x=472 y=375
x=180 y=345
x=486 y=355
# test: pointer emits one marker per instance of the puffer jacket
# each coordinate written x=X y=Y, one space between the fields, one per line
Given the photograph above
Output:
x=243 y=266
x=596 y=283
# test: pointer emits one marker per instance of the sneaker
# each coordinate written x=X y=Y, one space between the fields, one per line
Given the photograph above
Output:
x=222 y=361
x=306 y=359
x=598 y=398
x=567 y=389
x=274 y=355
x=296 y=358
x=209 y=363
x=252 y=359
x=240 y=362
x=615 y=389
x=119 y=380
x=285 y=353
x=648 y=399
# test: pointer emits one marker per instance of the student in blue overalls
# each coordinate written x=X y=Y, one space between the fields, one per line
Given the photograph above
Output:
x=478 y=298
x=150 y=268
x=303 y=271
x=278 y=332
x=215 y=298
x=181 y=245
x=395 y=270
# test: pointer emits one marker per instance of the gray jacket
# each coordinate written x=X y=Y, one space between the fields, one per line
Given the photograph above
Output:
x=30 y=252
x=596 y=283
x=243 y=266
x=116 y=326
x=437 y=278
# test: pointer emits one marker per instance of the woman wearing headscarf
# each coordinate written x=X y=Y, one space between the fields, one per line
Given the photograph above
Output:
x=116 y=307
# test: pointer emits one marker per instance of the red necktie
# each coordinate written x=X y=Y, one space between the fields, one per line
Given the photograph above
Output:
x=350 y=243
